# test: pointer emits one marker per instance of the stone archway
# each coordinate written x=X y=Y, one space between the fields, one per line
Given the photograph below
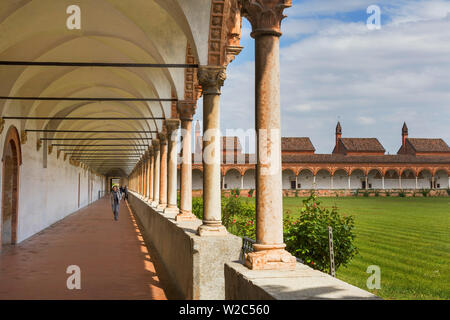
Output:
x=10 y=188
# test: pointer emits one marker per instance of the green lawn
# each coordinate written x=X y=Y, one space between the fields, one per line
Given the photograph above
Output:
x=408 y=238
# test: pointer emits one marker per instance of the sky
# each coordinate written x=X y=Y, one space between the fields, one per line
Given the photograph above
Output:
x=333 y=68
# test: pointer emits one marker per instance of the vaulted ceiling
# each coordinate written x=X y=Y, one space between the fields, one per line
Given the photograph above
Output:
x=112 y=31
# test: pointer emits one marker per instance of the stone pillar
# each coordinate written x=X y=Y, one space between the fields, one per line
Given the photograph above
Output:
x=156 y=172
x=269 y=253
x=382 y=182
x=367 y=182
x=432 y=182
x=417 y=183
x=149 y=181
x=242 y=181
x=172 y=126
x=152 y=169
x=186 y=109
x=400 y=181
x=145 y=185
x=211 y=78
x=332 y=181
x=349 y=181
x=163 y=172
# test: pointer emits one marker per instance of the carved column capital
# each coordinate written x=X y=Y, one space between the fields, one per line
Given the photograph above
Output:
x=23 y=137
x=172 y=125
x=265 y=16
x=2 y=124
x=211 y=78
x=186 y=109
x=162 y=138
x=156 y=144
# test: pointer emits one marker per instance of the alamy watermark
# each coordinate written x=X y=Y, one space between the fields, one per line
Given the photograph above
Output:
x=74 y=20
x=74 y=280
x=374 y=20
x=374 y=280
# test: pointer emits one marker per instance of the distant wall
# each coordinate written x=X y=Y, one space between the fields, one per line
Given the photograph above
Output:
x=47 y=195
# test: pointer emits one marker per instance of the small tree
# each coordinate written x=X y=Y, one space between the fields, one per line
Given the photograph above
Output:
x=307 y=236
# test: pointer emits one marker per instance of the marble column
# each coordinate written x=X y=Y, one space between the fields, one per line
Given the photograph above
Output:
x=269 y=250
x=163 y=172
x=186 y=109
x=382 y=182
x=152 y=169
x=211 y=78
x=156 y=167
x=172 y=126
x=145 y=160
x=149 y=161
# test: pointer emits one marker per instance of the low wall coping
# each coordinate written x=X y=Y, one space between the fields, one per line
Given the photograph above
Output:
x=303 y=283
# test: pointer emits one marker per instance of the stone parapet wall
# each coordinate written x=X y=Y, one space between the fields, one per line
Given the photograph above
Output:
x=194 y=264
x=303 y=283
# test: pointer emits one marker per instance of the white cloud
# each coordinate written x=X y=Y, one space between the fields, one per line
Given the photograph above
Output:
x=371 y=81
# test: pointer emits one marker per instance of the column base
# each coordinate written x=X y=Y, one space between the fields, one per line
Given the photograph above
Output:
x=211 y=230
x=161 y=206
x=185 y=216
x=276 y=259
x=154 y=204
x=172 y=210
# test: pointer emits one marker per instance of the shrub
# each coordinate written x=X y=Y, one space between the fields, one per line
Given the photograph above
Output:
x=425 y=192
x=388 y=194
x=402 y=194
x=377 y=193
x=250 y=193
x=366 y=193
x=238 y=216
x=448 y=191
x=197 y=207
x=307 y=236
x=356 y=192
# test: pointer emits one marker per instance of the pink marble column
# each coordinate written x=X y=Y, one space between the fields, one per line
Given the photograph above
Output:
x=150 y=175
x=186 y=109
x=211 y=78
x=156 y=167
x=163 y=172
x=172 y=126
x=269 y=249
x=148 y=164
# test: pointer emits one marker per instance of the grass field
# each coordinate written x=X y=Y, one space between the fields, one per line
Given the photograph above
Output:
x=408 y=238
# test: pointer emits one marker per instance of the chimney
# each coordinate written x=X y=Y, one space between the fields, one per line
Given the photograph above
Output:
x=404 y=135
x=338 y=134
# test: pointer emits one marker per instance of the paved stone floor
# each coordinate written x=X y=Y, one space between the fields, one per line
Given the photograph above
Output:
x=112 y=256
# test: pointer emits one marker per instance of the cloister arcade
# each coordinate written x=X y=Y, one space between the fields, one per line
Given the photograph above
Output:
x=308 y=178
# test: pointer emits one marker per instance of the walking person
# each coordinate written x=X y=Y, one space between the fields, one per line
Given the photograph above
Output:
x=125 y=191
x=115 y=202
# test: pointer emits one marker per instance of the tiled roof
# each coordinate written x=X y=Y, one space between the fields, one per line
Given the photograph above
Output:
x=339 y=158
x=227 y=143
x=296 y=144
x=428 y=145
x=362 y=145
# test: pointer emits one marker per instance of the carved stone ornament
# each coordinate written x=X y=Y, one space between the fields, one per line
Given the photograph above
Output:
x=211 y=78
x=265 y=16
x=23 y=137
x=186 y=109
